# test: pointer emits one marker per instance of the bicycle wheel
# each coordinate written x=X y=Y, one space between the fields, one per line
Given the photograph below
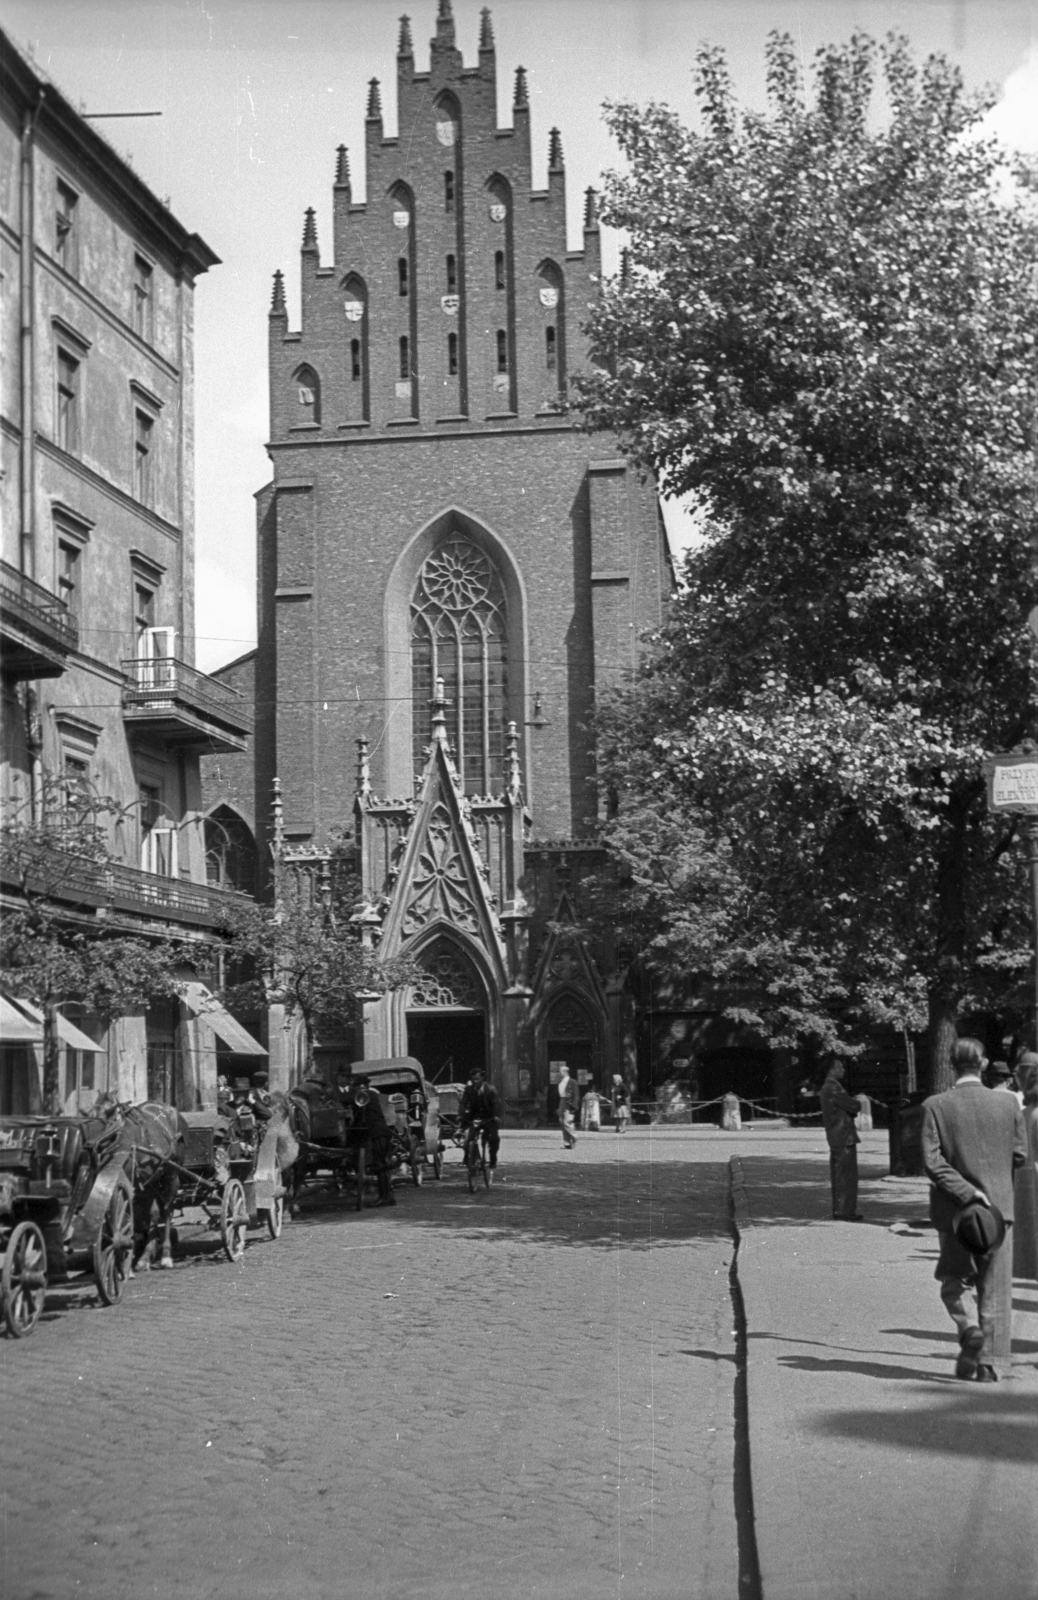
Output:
x=488 y=1171
x=472 y=1163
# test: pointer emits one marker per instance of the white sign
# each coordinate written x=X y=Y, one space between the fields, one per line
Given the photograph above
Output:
x=403 y=389
x=549 y=296
x=498 y=212
x=401 y=219
x=500 y=382
x=1014 y=786
x=450 y=303
x=354 y=310
x=306 y=396
x=445 y=133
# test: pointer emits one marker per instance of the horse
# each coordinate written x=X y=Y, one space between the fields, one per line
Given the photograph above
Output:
x=148 y=1141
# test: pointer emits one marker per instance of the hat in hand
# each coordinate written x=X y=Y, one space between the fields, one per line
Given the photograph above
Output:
x=980 y=1228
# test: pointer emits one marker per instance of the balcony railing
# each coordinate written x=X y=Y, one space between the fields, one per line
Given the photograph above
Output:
x=75 y=880
x=183 y=704
x=38 y=629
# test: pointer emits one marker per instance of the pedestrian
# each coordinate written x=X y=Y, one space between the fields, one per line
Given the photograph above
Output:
x=1002 y=1077
x=567 y=1106
x=731 y=1113
x=591 y=1111
x=1025 y=1196
x=973 y=1139
x=369 y=1120
x=621 y=1099
x=839 y=1110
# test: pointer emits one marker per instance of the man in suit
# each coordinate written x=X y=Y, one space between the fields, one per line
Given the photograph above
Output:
x=973 y=1139
x=569 y=1099
x=839 y=1110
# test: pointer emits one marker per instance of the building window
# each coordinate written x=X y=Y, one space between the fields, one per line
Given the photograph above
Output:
x=356 y=371
x=143 y=612
x=65 y=239
x=142 y=297
x=143 y=465
x=499 y=269
x=75 y=783
x=458 y=633
x=502 y=350
x=452 y=275
x=68 y=577
x=68 y=402
x=452 y=354
x=448 y=191
x=401 y=268
x=549 y=348
x=159 y=851
x=405 y=356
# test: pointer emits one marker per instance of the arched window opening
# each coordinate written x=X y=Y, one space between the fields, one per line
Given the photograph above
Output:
x=452 y=354
x=502 y=350
x=452 y=275
x=499 y=269
x=356 y=369
x=549 y=349
x=448 y=191
x=459 y=634
x=308 y=392
x=402 y=276
x=230 y=851
x=405 y=356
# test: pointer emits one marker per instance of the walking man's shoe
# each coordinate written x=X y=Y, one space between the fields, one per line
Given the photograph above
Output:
x=986 y=1374
x=971 y=1343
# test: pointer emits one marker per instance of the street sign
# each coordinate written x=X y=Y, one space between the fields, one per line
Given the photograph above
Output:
x=1013 y=782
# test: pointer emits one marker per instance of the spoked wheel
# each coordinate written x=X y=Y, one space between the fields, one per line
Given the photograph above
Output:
x=113 y=1247
x=23 y=1283
x=275 y=1215
x=472 y=1163
x=234 y=1219
x=361 y=1164
x=437 y=1165
x=417 y=1163
x=488 y=1171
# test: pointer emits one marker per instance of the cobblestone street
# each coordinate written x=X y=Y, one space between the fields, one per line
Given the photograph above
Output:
x=503 y=1395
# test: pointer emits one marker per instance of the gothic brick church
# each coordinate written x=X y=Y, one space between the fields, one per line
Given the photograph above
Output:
x=450 y=570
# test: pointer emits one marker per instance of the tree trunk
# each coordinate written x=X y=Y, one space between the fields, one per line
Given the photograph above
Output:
x=51 y=1063
x=943 y=1005
x=945 y=990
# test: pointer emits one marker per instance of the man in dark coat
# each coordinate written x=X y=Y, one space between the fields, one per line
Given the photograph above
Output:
x=973 y=1139
x=479 y=1103
x=369 y=1123
x=839 y=1110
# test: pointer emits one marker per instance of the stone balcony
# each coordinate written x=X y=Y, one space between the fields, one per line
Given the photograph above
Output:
x=37 y=630
x=173 y=704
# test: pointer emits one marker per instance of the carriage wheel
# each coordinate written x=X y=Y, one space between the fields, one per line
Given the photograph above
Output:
x=437 y=1165
x=361 y=1163
x=113 y=1247
x=417 y=1164
x=23 y=1283
x=234 y=1219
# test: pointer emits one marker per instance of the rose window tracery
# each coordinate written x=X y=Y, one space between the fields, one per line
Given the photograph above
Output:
x=446 y=981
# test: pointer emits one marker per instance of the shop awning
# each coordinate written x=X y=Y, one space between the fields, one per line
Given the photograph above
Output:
x=202 y=1004
x=22 y=1023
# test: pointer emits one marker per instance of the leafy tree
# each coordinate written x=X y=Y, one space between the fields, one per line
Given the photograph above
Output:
x=307 y=953
x=50 y=952
x=825 y=332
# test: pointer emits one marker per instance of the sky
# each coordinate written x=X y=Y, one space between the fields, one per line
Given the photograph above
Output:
x=256 y=95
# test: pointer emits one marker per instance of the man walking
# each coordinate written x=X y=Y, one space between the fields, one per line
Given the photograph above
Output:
x=839 y=1110
x=973 y=1139
x=567 y=1106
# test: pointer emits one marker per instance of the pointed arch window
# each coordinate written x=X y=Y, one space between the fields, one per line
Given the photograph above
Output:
x=459 y=633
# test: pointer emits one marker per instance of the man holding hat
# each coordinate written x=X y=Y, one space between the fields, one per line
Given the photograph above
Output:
x=973 y=1140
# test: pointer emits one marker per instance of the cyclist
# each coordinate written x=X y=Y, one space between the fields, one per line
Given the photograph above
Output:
x=479 y=1106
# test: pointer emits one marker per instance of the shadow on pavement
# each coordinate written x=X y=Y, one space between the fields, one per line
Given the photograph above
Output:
x=867 y=1369
x=797 y=1191
x=990 y=1422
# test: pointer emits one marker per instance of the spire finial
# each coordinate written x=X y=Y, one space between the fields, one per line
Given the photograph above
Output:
x=279 y=818
x=555 y=161
x=374 y=112
x=486 y=31
x=521 y=98
x=342 y=168
x=310 y=230
x=277 y=299
x=590 y=209
x=363 y=770
x=513 y=776
x=444 y=25
x=406 y=46
x=439 y=715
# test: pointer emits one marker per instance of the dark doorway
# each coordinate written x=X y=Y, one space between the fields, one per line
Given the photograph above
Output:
x=746 y=1072
x=449 y=1044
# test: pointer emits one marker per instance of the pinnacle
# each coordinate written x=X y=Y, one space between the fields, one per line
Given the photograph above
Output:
x=521 y=98
x=342 y=168
x=310 y=230
x=555 y=160
x=374 y=111
x=590 y=209
x=405 y=47
x=486 y=30
x=277 y=301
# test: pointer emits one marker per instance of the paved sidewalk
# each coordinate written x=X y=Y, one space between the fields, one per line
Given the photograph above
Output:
x=876 y=1473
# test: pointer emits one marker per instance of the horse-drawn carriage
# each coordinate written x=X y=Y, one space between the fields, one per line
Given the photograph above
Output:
x=412 y=1111
x=66 y=1208
x=230 y=1170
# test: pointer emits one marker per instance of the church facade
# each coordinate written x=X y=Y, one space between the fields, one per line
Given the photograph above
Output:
x=450 y=572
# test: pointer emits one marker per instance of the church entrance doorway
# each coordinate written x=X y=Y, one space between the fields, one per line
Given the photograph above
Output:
x=449 y=1044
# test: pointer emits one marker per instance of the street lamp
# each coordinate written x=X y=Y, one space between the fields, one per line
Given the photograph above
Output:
x=1013 y=791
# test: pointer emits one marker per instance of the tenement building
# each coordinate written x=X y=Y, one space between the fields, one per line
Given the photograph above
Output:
x=450 y=570
x=100 y=696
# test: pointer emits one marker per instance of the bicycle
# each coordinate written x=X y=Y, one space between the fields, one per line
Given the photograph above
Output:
x=476 y=1158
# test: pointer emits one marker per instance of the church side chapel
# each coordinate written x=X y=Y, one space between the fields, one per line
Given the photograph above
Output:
x=450 y=570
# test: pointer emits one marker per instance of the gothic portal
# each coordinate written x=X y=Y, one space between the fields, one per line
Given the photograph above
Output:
x=450 y=572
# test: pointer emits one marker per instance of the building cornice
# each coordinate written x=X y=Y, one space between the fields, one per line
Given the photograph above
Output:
x=395 y=439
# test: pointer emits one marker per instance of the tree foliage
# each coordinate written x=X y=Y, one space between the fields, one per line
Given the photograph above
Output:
x=825 y=331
